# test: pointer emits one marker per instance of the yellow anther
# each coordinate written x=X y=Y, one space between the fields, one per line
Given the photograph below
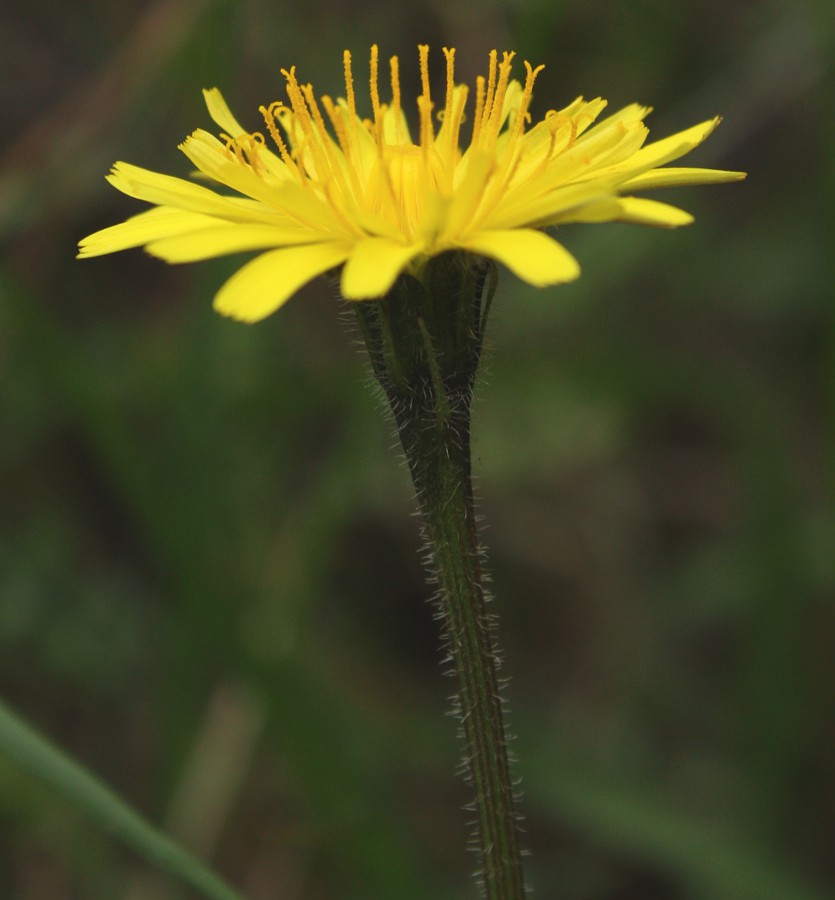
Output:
x=336 y=116
x=294 y=92
x=375 y=94
x=244 y=148
x=394 y=64
x=424 y=102
x=270 y=113
x=522 y=115
x=305 y=116
x=349 y=83
x=555 y=121
x=487 y=105
x=450 y=77
x=229 y=142
x=479 y=108
x=494 y=102
x=315 y=113
x=239 y=153
x=338 y=123
x=250 y=149
x=423 y=51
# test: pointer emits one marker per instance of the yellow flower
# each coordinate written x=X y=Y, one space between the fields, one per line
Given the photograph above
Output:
x=339 y=189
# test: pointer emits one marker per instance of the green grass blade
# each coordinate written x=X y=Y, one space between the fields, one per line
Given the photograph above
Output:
x=39 y=758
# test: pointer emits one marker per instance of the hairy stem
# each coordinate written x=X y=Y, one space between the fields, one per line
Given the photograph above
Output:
x=424 y=341
x=441 y=475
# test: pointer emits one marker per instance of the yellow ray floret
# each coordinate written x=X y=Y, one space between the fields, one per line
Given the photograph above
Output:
x=320 y=186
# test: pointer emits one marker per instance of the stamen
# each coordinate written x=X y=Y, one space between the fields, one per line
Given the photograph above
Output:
x=491 y=87
x=349 y=83
x=338 y=124
x=239 y=153
x=479 y=109
x=269 y=114
x=293 y=91
x=230 y=143
x=375 y=95
x=494 y=118
x=450 y=78
x=335 y=115
x=427 y=133
x=245 y=148
x=423 y=51
x=394 y=64
x=300 y=110
x=305 y=116
x=315 y=113
x=254 y=141
x=325 y=140
x=522 y=115
x=554 y=120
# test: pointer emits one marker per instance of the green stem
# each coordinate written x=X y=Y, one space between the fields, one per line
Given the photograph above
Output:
x=441 y=473
x=34 y=754
x=424 y=341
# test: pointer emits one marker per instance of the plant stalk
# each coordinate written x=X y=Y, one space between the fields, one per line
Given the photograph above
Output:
x=425 y=342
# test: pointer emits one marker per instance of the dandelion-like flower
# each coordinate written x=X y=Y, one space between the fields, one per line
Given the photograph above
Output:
x=322 y=187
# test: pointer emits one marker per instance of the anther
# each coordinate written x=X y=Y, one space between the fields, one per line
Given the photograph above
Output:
x=491 y=87
x=427 y=134
x=349 y=82
x=270 y=114
x=229 y=141
x=375 y=94
x=449 y=53
x=394 y=64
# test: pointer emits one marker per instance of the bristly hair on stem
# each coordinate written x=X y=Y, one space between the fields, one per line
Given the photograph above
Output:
x=424 y=342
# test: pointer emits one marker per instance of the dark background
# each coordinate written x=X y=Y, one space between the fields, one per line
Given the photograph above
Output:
x=210 y=590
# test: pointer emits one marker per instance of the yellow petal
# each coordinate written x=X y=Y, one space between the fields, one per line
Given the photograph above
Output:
x=651 y=212
x=266 y=283
x=523 y=208
x=221 y=114
x=289 y=197
x=396 y=126
x=153 y=225
x=601 y=209
x=470 y=183
x=661 y=152
x=166 y=190
x=532 y=255
x=374 y=265
x=210 y=157
x=629 y=209
x=223 y=238
x=671 y=176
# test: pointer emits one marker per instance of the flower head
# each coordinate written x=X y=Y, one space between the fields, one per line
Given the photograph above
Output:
x=320 y=186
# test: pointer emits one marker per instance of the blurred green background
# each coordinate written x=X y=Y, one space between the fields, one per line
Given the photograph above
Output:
x=210 y=588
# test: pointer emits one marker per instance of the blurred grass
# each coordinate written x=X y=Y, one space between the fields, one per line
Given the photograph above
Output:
x=191 y=504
